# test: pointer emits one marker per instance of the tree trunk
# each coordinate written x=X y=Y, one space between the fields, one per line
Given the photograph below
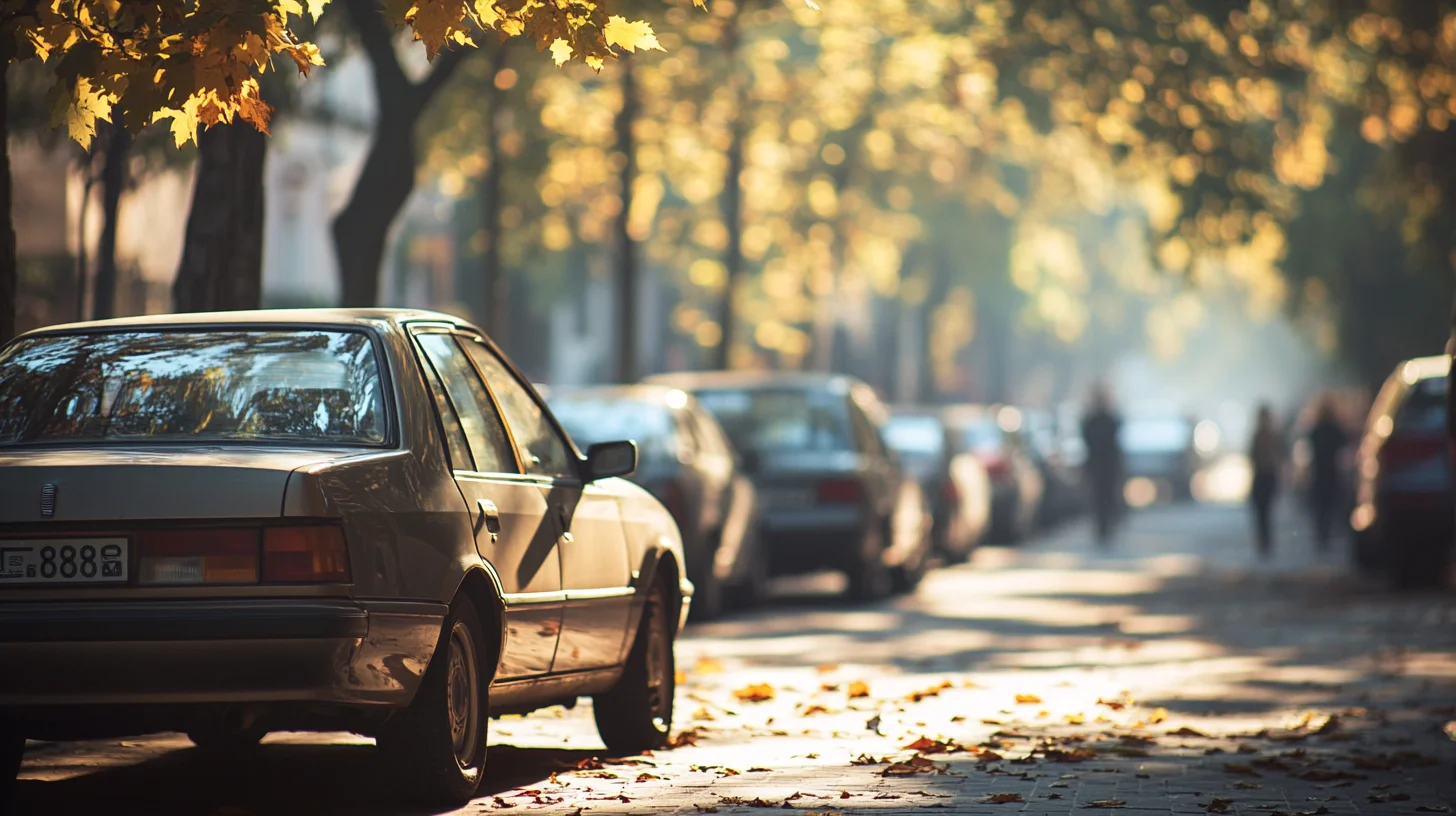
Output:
x=626 y=271
x=222 y=258
x=8 y=263
x=732 y=204
x=494 y=283
x=113 y=180
x=83 y=267
x=361 y=229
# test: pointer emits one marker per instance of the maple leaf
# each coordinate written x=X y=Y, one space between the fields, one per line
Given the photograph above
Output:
x=316 y=8
x=630 y=35
x=434 y=22
x=926 y=745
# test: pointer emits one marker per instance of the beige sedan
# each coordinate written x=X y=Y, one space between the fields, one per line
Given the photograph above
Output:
x=226 y=524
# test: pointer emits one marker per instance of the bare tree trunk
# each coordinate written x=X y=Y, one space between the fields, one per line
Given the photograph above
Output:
x=361 y=229
x=732 y=202
x=222 y=259
x=83 y=267
x=495 y=285
x=8 y=263
x=626 y=272
x=113 y=181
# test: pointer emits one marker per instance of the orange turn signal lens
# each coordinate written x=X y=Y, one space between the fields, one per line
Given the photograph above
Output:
x=312 y=554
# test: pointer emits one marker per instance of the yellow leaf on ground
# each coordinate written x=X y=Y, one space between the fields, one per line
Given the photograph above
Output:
x=755 y=693
x=858 y=688
x=1027 y=699
x=630 y=35
x=1158 y=716
x=707 y=665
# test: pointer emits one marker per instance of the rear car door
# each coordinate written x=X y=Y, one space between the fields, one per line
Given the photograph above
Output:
x=513 y=530
x=595 y=570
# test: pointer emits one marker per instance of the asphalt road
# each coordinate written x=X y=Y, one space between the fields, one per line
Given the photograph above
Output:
x=1173 y=674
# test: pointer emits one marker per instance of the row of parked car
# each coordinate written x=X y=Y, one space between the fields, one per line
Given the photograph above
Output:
x=782 y=474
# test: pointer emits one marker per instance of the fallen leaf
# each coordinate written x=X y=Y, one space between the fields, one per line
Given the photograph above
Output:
x=705 y=808
x=755 y=693
x=643 y=777
x=1074 y=755
x=857 y=689
x=866 y=759
x=1433 y=809
x=1076 y=719
x=1248 y=785
x=1218 y=805
x=760 y=770
x=1002 y=799
x=1322 y=775
x=873 y=724
x=683 y=739
x=1241 y=770
x=501 y=803
x=1106 y=803
x=814 y=709
x=1185 y=731
x=826 y=668
x=914 y=765
x=1158 y=715
x=707 y=665
x=1115 y=705
x=1027 y=699
x=933 y=691
x=589 y=764
x=926 y=745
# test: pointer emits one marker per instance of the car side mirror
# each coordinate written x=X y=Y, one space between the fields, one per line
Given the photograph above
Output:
x=607 y=459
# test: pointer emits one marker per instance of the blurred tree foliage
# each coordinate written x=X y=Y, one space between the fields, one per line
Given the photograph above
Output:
x=1004 y=176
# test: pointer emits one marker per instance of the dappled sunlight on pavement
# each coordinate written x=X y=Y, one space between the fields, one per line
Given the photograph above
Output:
x=1167 y=671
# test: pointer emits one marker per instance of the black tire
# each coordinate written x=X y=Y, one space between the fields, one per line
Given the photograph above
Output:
x=904 y=579
x=869 y=577
x=12 y=752
x=636 y=715
x=1422 y=563
x=438 y=743
x=219 y=738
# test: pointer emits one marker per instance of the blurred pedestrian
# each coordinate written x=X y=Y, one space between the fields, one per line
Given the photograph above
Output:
x=1266 y=456
x=1103 y=470
x=1327 y=441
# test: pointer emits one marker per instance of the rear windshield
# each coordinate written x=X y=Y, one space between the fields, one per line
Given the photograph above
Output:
x=1424 y=407
x=1155 y=435
x=781 y=419
x=915 y=436
x=293 y=387
x=594 y=419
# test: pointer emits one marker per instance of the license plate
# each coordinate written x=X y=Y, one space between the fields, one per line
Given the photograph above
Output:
x=63 y=561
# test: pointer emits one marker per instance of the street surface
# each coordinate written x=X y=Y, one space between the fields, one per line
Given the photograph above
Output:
x=1172 y=675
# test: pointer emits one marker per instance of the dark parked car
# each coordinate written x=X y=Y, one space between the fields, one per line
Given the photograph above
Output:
x=833 y=495
x=688 y=464
x=1403 y=519
x=1046 y=442
x=361 y=520
x=953 y=479
x=993 y=435
x=1158 y=446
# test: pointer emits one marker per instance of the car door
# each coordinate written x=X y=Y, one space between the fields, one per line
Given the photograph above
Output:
x=513 y=530
x=596 y=573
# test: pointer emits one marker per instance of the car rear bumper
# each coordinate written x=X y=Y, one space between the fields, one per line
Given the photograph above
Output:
x=252 y=650
x=814 y=538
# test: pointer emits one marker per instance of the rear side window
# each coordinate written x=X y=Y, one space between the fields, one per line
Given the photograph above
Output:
x=1424 y=407
x=781 y=419
x=271 y=386
x=542 y=449
x=478 y=419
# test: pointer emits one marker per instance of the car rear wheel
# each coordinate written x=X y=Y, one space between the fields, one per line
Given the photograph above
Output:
x=636 y=715
x=438 y=743
x=12 y=751
x=221 y=738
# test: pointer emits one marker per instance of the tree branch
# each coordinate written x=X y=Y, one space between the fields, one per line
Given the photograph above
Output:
x=374 y=36
x=444 y=67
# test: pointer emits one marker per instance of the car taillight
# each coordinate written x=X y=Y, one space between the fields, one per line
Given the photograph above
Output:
x=308 y=554
x=1400 y=451
x=839 y=491
x=180 y=557
x=948 y=491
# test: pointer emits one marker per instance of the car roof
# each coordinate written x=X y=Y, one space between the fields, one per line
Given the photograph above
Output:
x=694 y=380
x=341 y=317
x=641 y=392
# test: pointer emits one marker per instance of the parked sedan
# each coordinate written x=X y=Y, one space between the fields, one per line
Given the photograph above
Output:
x=1159 y=447
x=1403 y=518
x=688 y=464
x=834 y=497
x=361 y=520
x=993 y=435
x=953 y=479
x=1046 y=444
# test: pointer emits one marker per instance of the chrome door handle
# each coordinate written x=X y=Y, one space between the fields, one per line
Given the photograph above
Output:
x=490 y=517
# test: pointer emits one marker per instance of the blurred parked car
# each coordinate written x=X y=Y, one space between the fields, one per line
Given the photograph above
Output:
x=954 y=480
x=1158 y=447
x=1403 y=518
x=688 y=464
x=993 y=435
x=336 y=520
x=1046 y=445
x=833 y=495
